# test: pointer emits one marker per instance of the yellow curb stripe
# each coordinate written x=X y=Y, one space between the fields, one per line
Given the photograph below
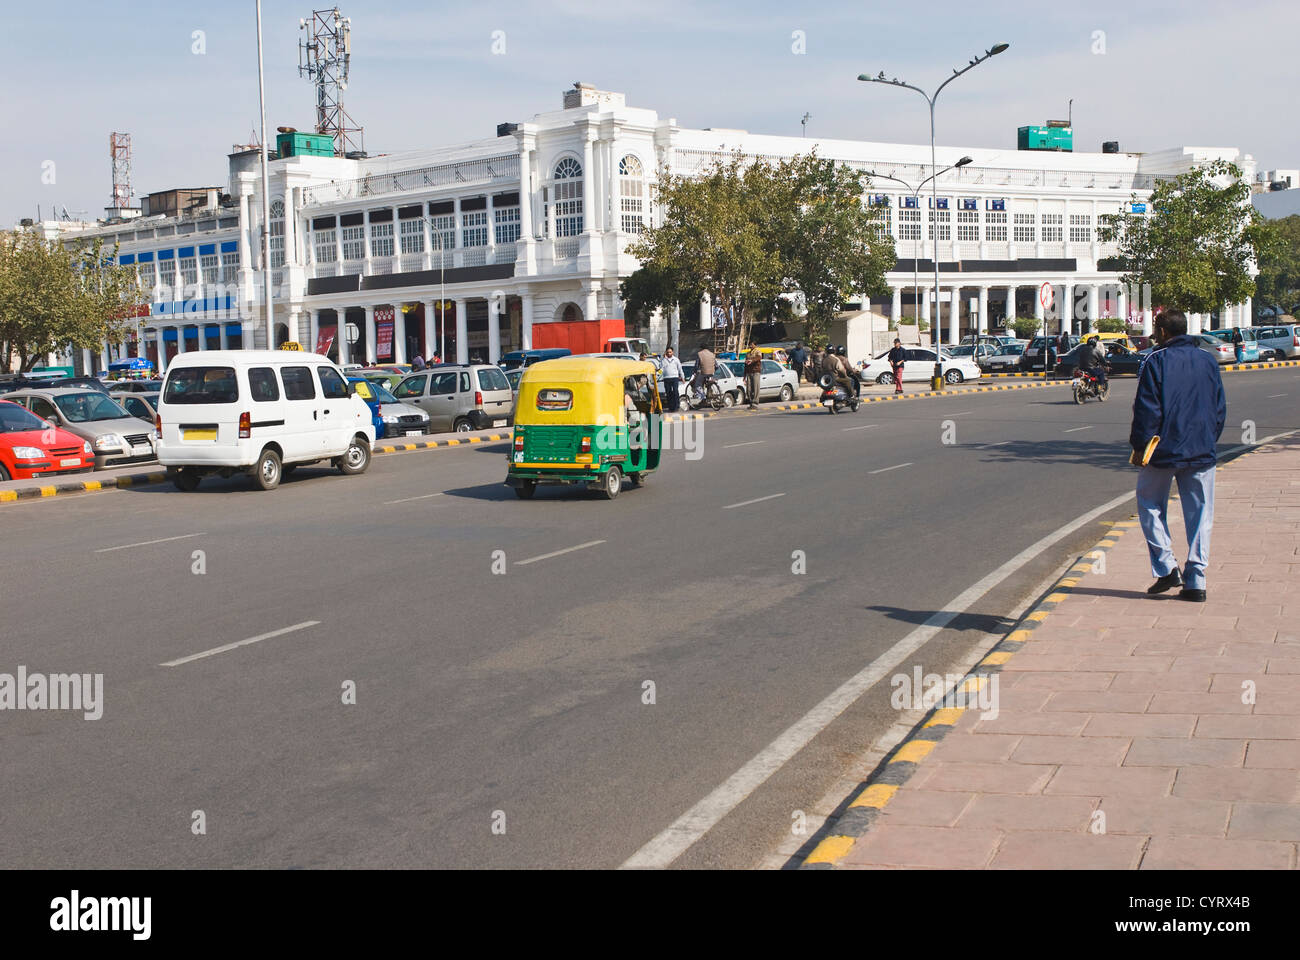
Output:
x=913 y=751
x=1054 y=598
x=944 y=717
x=876 y=795
x=1020 y=636
x=92 y=486
x=1070 y=582
x=1038 y=616
x=124 y=481
x=48 y=491
x=996 y=659
x=830 y=850
x=7 y=495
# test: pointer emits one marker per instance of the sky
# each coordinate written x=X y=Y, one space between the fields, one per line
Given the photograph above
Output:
x=181 y=77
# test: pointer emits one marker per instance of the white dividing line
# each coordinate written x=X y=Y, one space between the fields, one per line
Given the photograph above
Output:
x=1077 y=429
x=897 y=466
x=865 y=427
x=1274 y=396
x=745 y=503
x=150 y=543
x=559 y=553
x=427 y=496
x=747 y=443
x=240 y=643
x=962 y=414
x=998 y=444
x=678 y=837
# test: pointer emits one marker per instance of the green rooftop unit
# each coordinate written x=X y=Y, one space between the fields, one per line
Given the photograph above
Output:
x=1050 y=137
x=305 y=145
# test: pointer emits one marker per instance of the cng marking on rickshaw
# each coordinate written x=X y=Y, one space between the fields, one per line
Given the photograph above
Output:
x=558 y=553
x=240 y=643
x=150 y=543
x=745 y=503
x=747 y=443
x=427 y=496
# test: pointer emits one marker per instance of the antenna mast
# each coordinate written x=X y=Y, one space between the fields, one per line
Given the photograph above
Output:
x=119 y=149
x=324 y=57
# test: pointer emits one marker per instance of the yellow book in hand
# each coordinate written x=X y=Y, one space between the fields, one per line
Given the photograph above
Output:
x=1146 y=454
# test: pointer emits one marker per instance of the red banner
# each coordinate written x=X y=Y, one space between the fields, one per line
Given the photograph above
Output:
x=325 y=340
x=384 y=333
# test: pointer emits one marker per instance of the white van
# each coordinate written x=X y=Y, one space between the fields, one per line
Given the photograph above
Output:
x=261 y=412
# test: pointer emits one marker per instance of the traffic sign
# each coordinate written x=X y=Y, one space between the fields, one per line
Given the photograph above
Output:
x=1046 y=295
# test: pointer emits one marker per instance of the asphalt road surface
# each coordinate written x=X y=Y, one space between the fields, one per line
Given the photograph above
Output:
x=499 y=719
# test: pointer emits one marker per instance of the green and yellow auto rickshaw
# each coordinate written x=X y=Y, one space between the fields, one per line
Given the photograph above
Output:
x=585 y=420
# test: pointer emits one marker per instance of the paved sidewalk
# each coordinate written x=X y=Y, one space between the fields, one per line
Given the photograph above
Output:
x=1132 y=732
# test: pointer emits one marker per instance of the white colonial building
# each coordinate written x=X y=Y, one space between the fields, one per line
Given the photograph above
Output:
x=467 y=250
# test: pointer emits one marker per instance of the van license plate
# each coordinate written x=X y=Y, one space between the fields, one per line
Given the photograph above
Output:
x=415 y=433
x=191 y=434
x=498 y=423
x=74 y=462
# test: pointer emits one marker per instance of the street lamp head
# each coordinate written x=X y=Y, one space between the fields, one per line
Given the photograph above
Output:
x=997 y=48
x=963 y=161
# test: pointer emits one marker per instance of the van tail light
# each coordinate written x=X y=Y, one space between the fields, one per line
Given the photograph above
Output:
x=245 y=426
x=157 y=423
x=519 y=442
x=478 y=398
x=586 y=445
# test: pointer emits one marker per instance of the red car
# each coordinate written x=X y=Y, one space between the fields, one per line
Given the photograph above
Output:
x=30 y=447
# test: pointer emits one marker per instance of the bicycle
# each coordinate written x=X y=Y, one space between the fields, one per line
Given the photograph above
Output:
x=712 y=396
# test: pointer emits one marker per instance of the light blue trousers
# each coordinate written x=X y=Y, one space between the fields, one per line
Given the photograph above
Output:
x=1196 y=494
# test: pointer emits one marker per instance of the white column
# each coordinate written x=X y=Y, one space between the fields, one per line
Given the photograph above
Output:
x=399 y=334
x=1011 y=304
x=675 y=327
x=341 y=335
x=457 y=237
x=462 y=332
x=366 y=249
x=588 y=186
x=245 y=262
x=427 y=230
x=525 y=194
x=491 y=232
x=954 y=316
x=313 y=332
x=180 y=339
x=1094 y=307
x=1122 y=303
x=1067 y=308
x=430 y=330
x=590 y=302
x=370 y=354
x=706 y=313
x=494 y=328
x=1248 y=312
x=983 y=325
x=926 y=294
x=290 y=234
x=338 y=243
x=1038 y=306
x=103 y=357
x=896 y=306
x=1148 y=321
x=526 y=321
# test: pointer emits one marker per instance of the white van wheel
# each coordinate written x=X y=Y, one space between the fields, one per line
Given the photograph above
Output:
x=268 y=471
x=356 y=459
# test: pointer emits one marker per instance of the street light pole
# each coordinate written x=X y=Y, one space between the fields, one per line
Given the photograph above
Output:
x=266 y=189
x=936 y=382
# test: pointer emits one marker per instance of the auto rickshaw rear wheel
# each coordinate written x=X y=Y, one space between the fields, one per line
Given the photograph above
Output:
x=526 y=489
x=612 y=484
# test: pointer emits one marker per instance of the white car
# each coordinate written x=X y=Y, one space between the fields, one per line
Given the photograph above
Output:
x=920 y=366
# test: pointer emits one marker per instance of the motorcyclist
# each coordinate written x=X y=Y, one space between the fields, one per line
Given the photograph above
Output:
x=1092 y=360
x=838 y=368
x=856 y=380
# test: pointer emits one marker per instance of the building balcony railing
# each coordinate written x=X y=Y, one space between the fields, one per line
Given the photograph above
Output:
x=566 y=248
x=485 y=170
x=415 y=262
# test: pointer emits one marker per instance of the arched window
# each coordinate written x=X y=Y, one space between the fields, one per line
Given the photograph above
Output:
x=568 y=198
x=571 y=313
x=631 y=188
x=277 y=234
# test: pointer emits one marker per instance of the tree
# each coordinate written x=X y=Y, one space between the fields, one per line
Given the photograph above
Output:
x=1026 y=327
x=53 y=298
x=1196 y=247
x=712 y=240
x=832 y=246
x=1278 y=283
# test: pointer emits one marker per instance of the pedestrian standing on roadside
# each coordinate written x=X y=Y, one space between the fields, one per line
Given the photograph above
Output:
x=897 y=357
x=1238 y=344
x=1180 y=400
x=417 y=363
x=798 y=357
x=817 y=359
x=753 y=375
x=673 y=374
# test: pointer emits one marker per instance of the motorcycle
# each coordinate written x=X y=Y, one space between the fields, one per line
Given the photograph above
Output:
x=1086 y=386
x=834 y=397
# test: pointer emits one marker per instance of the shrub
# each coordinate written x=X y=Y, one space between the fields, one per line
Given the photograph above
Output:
x=1110 y=325
x=1026 y=327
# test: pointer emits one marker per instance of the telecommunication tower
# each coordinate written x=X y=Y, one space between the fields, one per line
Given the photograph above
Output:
x=324 y=56
x=119 y=148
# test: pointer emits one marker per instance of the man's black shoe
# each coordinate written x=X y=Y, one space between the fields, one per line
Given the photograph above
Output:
x=1195 y=596
x=1167 y=582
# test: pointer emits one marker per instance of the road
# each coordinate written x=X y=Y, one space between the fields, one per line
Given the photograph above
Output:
x=515 y=700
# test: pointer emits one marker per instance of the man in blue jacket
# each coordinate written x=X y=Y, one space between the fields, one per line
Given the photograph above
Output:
x=1180 y=400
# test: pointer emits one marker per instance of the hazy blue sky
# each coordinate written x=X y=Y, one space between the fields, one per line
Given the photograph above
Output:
x=1173 y=72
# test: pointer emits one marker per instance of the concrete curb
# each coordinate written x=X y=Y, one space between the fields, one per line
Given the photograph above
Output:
x=1238 y=367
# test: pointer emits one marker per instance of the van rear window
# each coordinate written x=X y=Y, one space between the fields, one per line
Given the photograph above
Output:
x=201 y=385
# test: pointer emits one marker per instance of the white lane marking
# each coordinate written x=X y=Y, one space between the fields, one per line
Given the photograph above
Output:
x=559 y=553
x=150 y=543
x=747 y=443
x=897 y=466
x=865 y=427
x=998 y=444
x=1077 y=429
x=962 y=414
x=745 y=503
x=409 y=499
x=679 y=836
x=1274 y=396
x=240 y=643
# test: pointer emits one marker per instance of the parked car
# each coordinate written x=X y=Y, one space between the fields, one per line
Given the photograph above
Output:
x=1278 y=342
x=1215 y=347
x=10 y=383
x=981 y=354
x=460 y=398
x=732 y=387
x=116 y=437
x=1032 y=358
x=1249 y=338
x=391 y=417
x=775 y=382
x=526 y=358
x=1119 y=358
x=30 y=449
x=919 y=365
x=134 y=386
x=513 y=377
x=259 y=412
x=143 y=406
x=1007 y=361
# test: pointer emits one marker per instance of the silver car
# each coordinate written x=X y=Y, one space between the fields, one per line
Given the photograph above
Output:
x=774 y=383
x=460 y=397
x=732 y=387
x=116 y=437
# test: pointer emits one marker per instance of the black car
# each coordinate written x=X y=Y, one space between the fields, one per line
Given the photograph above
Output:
x=1119 y=360
x=8 y=384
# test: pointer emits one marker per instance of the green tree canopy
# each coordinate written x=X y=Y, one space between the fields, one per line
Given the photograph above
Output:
x=53 y=298
x=1278 y=283
x=1198 y=243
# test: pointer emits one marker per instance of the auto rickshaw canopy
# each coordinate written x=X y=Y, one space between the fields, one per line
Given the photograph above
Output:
x=579 y=390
